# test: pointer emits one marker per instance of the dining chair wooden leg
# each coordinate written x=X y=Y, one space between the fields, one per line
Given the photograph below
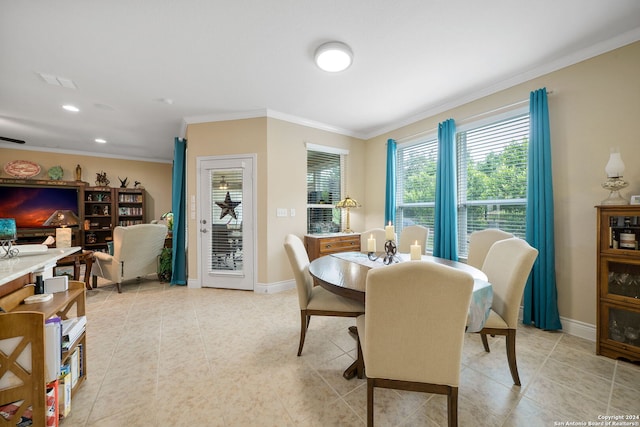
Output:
x=369 y=402
x=304 y=324
x=511 y=355
x=485 y=342
x=359 y=360
x=452 y=406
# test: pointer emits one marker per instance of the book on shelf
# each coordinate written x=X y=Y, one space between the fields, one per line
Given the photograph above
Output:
x=75 y=366
x=64 y=391
x=72 y=329
x=52 y=350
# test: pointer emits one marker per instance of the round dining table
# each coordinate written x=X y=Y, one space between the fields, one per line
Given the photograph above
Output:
x=345 y=274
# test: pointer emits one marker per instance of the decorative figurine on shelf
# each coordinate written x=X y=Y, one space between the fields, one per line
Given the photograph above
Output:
x=136 y=184
x=78 y=173
x=124 y=182
x=56 y=173
x=101 y=179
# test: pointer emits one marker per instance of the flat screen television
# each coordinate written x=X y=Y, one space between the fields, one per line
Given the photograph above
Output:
x=31 y=206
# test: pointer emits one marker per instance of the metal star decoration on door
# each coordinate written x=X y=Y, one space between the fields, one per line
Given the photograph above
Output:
x=228 y=207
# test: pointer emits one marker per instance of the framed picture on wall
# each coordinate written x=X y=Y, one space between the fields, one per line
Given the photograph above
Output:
x=635 y=200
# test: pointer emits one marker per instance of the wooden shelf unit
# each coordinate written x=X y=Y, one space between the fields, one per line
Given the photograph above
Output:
x=130 y=206
x=98 y=218
x=66 y=304
x=320 y=245
x=618 y=282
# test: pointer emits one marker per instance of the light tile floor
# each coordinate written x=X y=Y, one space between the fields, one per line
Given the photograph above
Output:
x=173 y=356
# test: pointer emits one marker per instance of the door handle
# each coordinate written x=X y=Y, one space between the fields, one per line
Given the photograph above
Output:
x=203 y=230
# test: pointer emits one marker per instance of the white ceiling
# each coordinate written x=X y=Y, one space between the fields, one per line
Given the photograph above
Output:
x=226 y=59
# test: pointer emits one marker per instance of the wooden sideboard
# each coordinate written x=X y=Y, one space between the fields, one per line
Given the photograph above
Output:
x=318 y=245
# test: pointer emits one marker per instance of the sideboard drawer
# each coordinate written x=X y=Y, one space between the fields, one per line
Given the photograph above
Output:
x=318 y=246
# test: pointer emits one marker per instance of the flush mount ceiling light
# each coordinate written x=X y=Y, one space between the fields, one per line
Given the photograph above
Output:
x=100 y=140
x=334 y=57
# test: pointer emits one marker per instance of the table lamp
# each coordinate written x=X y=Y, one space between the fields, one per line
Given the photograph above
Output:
x=62 y=219
x=347 y=203
x=614 y=182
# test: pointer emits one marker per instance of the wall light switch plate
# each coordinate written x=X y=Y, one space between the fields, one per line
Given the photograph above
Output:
x=281 y=212
x=292 y=212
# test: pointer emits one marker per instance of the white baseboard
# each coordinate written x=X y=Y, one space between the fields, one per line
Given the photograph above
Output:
x=574 y=327
x=578 y=328
x=193 y=283
x=272 y=288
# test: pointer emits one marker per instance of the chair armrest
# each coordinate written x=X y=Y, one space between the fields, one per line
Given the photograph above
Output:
x=103 y=257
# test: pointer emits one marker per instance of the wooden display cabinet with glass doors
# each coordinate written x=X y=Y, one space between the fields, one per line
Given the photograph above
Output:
x=618 y=282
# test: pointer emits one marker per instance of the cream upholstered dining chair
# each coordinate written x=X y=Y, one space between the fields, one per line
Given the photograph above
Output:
x=314 y=300
x=378 y=234
x=409 y=235
x=412 y=334
x=507 y=267
x=135 y=253
x=479 y=243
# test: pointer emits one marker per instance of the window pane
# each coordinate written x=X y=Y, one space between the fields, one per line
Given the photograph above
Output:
x=324 y=183
x=416 y=185
x=492 y=178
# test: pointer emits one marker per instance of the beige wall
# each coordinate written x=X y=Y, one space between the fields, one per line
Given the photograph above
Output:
x=595 y=105
x=248 y=136
x=287 y=175
x=282 y=165
x=154 y=177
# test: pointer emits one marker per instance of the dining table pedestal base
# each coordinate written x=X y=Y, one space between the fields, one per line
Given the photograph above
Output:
x=357 y=367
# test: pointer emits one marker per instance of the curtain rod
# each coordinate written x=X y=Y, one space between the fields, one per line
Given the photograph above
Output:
x=466 y=119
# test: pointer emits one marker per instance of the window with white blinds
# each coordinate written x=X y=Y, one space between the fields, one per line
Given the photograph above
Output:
x=416 y=185
x=492 y=178
x=325 y=172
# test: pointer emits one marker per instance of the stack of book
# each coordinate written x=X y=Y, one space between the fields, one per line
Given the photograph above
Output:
x=72 y=329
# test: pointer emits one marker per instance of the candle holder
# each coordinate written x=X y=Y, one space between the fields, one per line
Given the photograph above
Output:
x=390 y=251
x=6 y=249
x=372 y=256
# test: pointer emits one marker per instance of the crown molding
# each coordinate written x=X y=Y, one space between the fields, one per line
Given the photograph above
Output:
x=546 y=68
x=273 y=114
x=89 y=154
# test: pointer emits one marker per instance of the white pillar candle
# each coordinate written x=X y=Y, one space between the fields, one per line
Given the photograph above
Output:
x=416 y=251
x=390 y=232
x=371 y=244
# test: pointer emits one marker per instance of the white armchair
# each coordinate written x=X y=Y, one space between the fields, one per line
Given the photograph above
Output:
x=135 y=253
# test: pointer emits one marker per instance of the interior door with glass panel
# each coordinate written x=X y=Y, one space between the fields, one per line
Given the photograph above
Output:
x=226 y=223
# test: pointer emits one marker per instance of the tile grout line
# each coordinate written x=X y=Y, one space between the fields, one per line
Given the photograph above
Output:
x=523 y=390
x=613 y=379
